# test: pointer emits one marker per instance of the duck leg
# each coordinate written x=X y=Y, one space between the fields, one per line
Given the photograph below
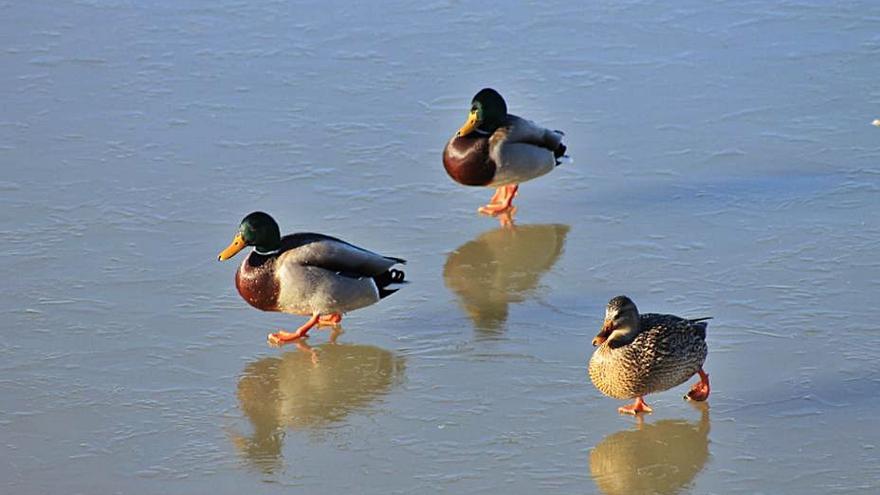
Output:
x=636 y=407
x=499 y=194
x=700 y=390
x=501 y=201
x=497 y=200
x=281 y=337
x=332 y=319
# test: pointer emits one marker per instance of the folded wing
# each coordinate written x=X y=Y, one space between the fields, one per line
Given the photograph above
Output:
x=525 y=131
x=330 y=253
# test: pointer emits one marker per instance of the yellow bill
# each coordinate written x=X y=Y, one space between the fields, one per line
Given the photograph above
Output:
x=468 y=126
x=233 y=249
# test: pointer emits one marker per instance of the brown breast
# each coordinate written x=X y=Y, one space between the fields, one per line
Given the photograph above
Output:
x=467 y=161
x=256 y=282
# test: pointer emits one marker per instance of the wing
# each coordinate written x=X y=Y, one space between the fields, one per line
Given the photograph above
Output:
x=700 y=325
x=673 y=329
x=523 y=151
x=520 y=130
x=330 y=253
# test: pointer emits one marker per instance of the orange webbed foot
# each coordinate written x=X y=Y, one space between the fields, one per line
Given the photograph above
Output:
x=635 y=408
x=494 y=209
x=333 y=320
x=501 y=202
x=281 y=337
x=498 y=197
x=700 y=391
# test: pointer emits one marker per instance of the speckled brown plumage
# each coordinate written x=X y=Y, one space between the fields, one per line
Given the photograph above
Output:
x=667 y=352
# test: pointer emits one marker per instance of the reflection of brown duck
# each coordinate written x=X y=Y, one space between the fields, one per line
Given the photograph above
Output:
x=308 y=389
x=659 y=458
x=500 y=267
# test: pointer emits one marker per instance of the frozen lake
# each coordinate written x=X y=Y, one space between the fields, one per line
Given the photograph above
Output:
x=724 y=165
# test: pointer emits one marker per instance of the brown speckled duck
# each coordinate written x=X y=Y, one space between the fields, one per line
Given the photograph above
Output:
x=497 y=149
x=642 y=354
x=307 y=274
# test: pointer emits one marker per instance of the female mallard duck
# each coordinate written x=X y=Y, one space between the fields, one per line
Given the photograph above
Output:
x=497 y=149
x=307 y=274
x=641 y=354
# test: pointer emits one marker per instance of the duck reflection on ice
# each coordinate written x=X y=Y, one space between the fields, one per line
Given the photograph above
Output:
x=500 y=267
x=660 y=458
x=309 y=388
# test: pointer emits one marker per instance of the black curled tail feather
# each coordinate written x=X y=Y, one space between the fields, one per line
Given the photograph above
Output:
x=383 y=280
x=560 y=150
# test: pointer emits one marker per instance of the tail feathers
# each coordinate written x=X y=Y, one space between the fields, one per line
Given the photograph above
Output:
x=559 y=152
x=396 y=276
x=701 y=324
x=396 y=260
x=387 y=278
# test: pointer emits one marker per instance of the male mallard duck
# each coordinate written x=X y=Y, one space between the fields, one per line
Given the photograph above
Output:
x=497 y=149
x=307 y=274
x=641 y=354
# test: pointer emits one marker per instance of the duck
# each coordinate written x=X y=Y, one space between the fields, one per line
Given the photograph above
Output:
x=497 y=149
x=641 y=354
x=307 y=274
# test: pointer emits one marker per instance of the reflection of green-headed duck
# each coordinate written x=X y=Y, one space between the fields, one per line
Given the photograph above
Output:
x=497 y=149
x=500 y=267
x=660 y=458
x=641 y=354
x=309 y=389
x=307 y=274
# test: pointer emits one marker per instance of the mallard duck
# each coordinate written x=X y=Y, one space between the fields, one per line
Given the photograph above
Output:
x=497 y=149
x=307 y=274
x=642 y=354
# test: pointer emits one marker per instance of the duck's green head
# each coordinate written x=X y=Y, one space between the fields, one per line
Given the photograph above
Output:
x=621 y=322
x=257 y=229
x=488 y=112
